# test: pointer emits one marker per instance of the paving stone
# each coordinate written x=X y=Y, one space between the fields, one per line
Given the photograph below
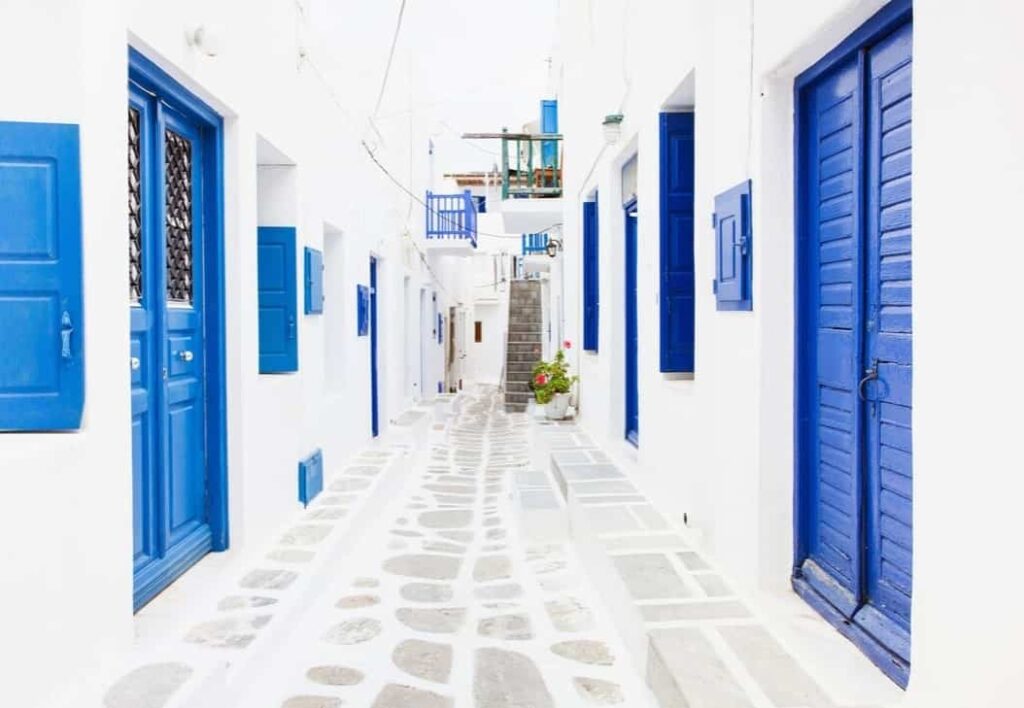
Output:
x=398 y=696
x=712 y=584
x=508 y=679
x=336 y=499
x=650 y=517
x=693 y=611
x=423 y=565
x=364 y=470
x=305 y=535
x=443 y=620
x=334 y=675
x=504 y=591
x=227 y=632
x=443 y=547
x=455 y=519
x=692 y=561
x=426 y=592
x=149 y=686
x=580 y=473
x=585 y=651
x=650 y=576
x=349 y=484
x=353 y=631
x=365 y=583
x=598 y=692
x=683 y=669
x=327 y=513
x=609 y=486
x=407 y=533
x=291 y=555
x=268 y=579
x=429 y=661
x=496 y=534
x=508 y=627
x=240 y=602
x=611 y=519
x=494 y=547
x=396 y=544
x=594 y=499
x=469 y=489
x=489 y=568
x=569 y=615
x=312 y=702
x=778 y=674
x=350 y=602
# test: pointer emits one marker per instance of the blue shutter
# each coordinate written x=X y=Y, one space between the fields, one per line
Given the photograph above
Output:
x=42 y=371
x=314 y=286
x=311 y=477
x=279 y=351
x=440 y=329
x=677 y=274
x=591 y=292
x=733 y=248
x=362 y=310
x=549 y=124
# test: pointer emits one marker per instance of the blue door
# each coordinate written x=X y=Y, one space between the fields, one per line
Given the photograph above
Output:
x=374 y=406
x=632 y=370
x=854 y=378
x=169 y=186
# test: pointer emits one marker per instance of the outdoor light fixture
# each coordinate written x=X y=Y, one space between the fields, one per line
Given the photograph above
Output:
x=612 y=127
x=202 y=39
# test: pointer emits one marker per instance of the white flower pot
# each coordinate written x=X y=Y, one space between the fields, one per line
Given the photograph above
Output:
x=558 y=406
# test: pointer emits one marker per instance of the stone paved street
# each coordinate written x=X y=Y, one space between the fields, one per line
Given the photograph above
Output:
x=445 y=605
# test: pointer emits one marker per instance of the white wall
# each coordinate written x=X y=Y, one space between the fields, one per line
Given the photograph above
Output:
x=719 y=446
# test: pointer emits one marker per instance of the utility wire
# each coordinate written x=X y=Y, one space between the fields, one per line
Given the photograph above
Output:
x=391 y=57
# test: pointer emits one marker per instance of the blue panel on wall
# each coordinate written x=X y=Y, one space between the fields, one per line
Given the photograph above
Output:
x=311 y=477
x=734 y=248
x=42 y=367
x=314 y=285
x=677 y=275
x=362 y=310
x=591 y=271
x=279 y=351
x=549 y=124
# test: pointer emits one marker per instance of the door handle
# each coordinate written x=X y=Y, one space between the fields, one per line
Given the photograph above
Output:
x=291 y=326
x=65 y=335
x=186 y=355
x=869 y=375
x=135 y=363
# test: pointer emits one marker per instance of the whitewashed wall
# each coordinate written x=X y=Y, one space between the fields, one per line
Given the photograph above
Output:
x=65 y=507
x=719 y=447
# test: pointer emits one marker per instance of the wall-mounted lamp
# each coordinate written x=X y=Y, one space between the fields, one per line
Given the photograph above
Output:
x=204 y=40
x=612 y=128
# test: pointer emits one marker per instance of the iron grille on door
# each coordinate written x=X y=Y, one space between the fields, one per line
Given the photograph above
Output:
x=134 y=207
x=178 y=206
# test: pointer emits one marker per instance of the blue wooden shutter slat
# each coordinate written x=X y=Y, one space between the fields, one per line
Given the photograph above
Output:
x=314 y=282
x=590 y=277
x=677 y=269
x=279 y=352
x=42 y=371
x=733 y=248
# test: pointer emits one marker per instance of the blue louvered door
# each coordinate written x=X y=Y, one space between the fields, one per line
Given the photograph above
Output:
x=855 y=362
x=168 y=341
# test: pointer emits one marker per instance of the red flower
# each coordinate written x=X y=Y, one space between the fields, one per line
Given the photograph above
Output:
x=567 y=344
x=540 y=379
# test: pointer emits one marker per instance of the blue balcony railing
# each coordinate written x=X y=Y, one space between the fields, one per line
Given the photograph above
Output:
x=452 y=216
x=535 y=243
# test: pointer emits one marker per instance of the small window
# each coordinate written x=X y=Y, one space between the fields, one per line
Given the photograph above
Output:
x=478 y=331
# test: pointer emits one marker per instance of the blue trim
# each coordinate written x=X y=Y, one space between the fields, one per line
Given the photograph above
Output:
x=362 y=310
x=146 y=75
x=632 y=360
x=734 y=249
x=591 y=276
x=374 y=383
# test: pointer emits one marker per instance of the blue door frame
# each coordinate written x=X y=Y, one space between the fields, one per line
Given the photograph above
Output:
x=177 y=359
x=632 y=426
x=374 y=403
x=853 y=495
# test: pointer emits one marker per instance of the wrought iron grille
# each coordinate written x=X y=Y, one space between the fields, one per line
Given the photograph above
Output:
x=134 y=207
x=178 y=208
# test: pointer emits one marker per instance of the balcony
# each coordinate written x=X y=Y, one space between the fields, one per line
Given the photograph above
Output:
x=451 y=221
x=535 y=244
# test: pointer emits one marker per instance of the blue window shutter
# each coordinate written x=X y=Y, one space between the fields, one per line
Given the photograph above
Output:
x=591 y=291
x=279 y=351
x=362 y=310
x=42 y=368
x=314 y=286
x=677 y=272
x=733 y=248
x=549 y=124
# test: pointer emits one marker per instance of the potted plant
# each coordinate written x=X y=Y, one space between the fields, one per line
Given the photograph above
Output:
x=551 y=385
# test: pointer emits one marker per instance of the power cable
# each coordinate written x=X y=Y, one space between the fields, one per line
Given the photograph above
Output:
x=391 y=57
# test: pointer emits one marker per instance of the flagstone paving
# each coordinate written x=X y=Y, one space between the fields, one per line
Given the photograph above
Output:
x=446 y=606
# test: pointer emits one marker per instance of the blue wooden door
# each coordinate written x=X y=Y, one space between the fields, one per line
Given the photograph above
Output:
x=854 y=377
x=632 y=370
x=374 y=406
x=677 y=276
x=168 y=349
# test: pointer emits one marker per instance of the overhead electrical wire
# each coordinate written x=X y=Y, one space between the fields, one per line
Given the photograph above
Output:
x=391 y=58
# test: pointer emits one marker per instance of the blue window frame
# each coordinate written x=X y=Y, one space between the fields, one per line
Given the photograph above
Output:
x=734 y=249
x=591 y=270
x=314 y=282
x=279 y=345
x=42 y=369
x=677 y=271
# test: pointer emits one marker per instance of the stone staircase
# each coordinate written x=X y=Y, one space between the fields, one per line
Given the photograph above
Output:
x=523 y=348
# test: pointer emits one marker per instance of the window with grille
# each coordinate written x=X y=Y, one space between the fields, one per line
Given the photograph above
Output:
x=134 y=206
x=178 y=218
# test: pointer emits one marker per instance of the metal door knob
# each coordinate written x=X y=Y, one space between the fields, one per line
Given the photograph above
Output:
x=185 y=355
x=135 y=363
